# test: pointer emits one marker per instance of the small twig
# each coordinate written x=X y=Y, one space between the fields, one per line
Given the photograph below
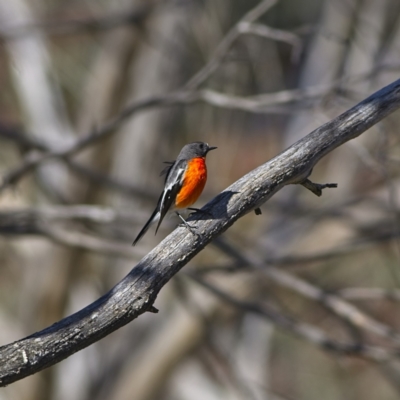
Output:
x=274 y=34
x=21 y=138
x=269 y=33
x=316 y=188
x=226 y=43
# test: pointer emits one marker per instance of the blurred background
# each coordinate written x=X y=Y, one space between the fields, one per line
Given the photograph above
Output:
x=96 y=94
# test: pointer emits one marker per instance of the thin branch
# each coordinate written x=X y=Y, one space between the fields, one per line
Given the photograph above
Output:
x=296 y=260
x=33 y=159
x=85 y=241
x=29 y=142
x=27 y=221
x=185 y=96
x=269 y=33
x=23 y=217
x=256 y=104
x=274 y=34
x=329 y=301
x=43 y=221
x=226 y=43
x=349 y=248
x=16 y=135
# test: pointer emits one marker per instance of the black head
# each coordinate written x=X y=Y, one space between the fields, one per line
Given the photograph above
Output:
x=193 y=150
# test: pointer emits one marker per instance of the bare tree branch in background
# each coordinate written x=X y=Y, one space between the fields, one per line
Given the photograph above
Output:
x=255 y=104
x=304 y=330
x=186 y=95
x=46 y=221
x=136 y=293
x=332 y=302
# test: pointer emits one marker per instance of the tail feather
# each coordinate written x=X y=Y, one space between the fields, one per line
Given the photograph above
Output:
x=153 y=219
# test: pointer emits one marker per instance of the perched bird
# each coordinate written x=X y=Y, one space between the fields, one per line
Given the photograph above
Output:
x=185 y=180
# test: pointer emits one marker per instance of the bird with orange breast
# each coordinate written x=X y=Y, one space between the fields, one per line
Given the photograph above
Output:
x=185 y=180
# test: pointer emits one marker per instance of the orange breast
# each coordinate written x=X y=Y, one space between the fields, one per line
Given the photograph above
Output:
x=193 y=184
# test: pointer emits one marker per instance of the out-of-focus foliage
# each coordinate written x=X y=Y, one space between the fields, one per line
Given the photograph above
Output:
x=68 y=68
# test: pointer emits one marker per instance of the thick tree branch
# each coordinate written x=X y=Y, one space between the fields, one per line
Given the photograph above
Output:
x=136 y=293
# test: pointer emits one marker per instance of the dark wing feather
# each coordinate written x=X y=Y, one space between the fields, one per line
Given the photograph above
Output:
x=173 y=184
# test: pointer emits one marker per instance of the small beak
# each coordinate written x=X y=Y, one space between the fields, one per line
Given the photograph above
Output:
x=211 y=148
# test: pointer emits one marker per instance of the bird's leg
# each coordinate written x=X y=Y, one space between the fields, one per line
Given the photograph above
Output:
x=184 y=223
